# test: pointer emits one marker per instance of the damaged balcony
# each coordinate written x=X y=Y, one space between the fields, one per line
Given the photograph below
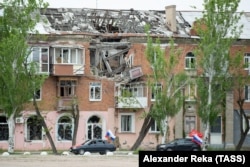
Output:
x=66 y=93
x=67 y=60
x=133 y=95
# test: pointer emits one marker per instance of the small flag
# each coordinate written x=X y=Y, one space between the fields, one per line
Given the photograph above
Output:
x=197 y=139
x=110 y=135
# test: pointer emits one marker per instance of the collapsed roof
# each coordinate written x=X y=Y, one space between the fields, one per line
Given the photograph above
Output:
x=101 y=21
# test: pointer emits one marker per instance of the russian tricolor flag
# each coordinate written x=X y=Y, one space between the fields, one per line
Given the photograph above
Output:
x=197 y=139
x=110 y=135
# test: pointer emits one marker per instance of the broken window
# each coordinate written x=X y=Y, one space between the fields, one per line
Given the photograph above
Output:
x=4 y=130
x=156 y=89
x=133 y=90
x=67 y=88
x=190 y=61
x=65 y=128
x=34 y=128
x=40 y=56
x=95 y=93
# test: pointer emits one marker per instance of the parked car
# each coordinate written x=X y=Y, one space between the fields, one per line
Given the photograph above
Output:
x=93 y=146
x=183 y=144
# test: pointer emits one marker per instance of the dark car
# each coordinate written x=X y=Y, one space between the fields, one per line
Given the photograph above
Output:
x=93 y=146
x=185 y=144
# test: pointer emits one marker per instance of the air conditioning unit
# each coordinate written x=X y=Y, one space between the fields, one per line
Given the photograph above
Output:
x=19 y=120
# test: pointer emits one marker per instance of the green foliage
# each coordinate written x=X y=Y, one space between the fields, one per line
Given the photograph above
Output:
x=169 y=99
x=18 y=77
x=218 y=30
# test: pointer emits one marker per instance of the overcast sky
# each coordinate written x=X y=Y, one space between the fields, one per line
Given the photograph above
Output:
x=137 y=4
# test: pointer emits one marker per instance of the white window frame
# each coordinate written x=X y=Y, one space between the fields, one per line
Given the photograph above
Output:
x=92 y=91
x=40 y=58
x=247 y=61
x=247 y=93
x=132 y=116
x=189 y=60
x=136 y=90
x=57 y=126
x=157 y=87
x=74 y=56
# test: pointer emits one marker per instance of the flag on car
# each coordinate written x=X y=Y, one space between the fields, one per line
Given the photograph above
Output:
x=110 y=136
x=197 y=136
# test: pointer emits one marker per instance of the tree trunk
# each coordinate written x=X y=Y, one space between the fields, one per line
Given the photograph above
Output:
x=243 y=133
x=76 y=116
x=11 y=124
x=144 y=130
x=44 y=125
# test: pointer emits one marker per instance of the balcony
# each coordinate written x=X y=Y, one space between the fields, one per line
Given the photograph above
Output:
x=64 y=104
x=132 y=95
x=67 y=70
x=132 y=102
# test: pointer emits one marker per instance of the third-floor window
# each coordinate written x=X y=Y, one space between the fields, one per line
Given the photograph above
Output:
x=68 y=56
x=190 y=61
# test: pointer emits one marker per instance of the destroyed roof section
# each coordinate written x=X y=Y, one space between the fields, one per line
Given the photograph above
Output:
x=78 y=20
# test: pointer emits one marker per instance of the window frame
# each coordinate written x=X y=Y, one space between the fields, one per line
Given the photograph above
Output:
x=190 y=62
x=4 y=126
x=92 y=94
x=247 y=61
x=157 y=87
x=132 y=124
x=27 y=133
x=191 y=92
x=74 y=56
x=68 y=90
x=217 y=128
x=40 y=60
x=247 y=93
x=71 y=123
x=156 y=128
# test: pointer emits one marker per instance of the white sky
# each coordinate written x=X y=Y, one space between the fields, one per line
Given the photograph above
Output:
x=137 y=4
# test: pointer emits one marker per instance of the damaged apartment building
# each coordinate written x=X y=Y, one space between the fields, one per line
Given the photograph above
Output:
x=93 y=56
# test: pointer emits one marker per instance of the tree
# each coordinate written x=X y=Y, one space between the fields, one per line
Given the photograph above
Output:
x=169 y=98
x=18 y=77
x=239 y=81
x=217 y=29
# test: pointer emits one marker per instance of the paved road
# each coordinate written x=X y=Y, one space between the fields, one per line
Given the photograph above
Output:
x=69 y=161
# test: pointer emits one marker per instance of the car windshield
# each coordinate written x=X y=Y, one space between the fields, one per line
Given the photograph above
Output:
x=86 y=142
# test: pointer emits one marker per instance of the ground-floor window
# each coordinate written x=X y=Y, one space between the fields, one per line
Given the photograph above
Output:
x=65 y=128
x=94 y=128
x=154 y=127
x=34 y=128
x=4 y=130
x=216 y=126
x=127 y=122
